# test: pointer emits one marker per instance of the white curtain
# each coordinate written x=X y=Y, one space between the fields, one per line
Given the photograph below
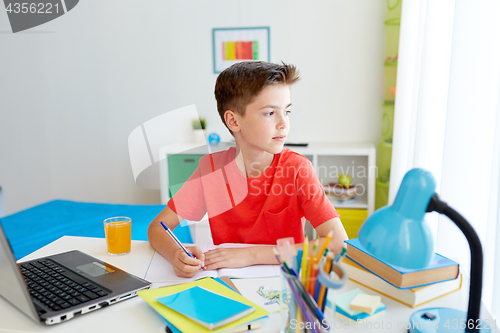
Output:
x=447 y=120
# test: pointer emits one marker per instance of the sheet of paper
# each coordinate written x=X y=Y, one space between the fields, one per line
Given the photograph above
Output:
x=256 y=271
x=250 y=289
x=160 y=270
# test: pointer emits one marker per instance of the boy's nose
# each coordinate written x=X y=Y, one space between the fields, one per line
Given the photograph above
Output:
x=281 y=123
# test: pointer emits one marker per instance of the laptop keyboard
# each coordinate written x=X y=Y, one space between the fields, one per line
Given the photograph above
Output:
x=57 y=287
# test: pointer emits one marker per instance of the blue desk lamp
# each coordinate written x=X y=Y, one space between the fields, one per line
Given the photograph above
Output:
x=399 y=235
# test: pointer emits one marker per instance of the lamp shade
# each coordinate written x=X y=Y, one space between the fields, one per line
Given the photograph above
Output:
x=398 y=234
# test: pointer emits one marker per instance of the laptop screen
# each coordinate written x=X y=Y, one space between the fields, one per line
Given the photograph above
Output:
x=12 y=286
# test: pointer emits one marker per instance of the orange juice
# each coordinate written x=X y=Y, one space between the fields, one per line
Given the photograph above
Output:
x=118 y=236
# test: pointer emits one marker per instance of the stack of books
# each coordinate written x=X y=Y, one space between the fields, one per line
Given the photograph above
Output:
x=412 y=287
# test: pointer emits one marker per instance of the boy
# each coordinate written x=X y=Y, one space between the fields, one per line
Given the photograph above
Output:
x=257 y=192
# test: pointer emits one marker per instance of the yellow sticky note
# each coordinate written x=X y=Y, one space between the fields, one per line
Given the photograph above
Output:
x=366 y=303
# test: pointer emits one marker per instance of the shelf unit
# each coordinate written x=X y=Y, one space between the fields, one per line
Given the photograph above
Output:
x=355 y=159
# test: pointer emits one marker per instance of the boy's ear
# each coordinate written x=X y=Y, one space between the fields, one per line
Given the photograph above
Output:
x=231 y=120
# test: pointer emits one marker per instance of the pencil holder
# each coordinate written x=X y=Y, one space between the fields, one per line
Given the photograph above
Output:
x=303 y=305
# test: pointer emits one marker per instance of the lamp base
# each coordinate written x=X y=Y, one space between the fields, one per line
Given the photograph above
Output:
x=437 y=320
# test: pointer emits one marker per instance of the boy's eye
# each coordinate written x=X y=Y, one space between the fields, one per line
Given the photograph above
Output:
x=269 y=113
x=288 y=111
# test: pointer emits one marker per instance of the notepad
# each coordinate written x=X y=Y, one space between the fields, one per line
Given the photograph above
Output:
x=161 y=270
x=183 y=324
x=206 y=308
x=366 y=303
x=343 y=310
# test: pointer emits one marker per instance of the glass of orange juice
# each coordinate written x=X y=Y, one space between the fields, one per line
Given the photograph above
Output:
x=118 y=231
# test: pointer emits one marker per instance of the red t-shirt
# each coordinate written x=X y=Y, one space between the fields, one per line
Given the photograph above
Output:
x=256 y=210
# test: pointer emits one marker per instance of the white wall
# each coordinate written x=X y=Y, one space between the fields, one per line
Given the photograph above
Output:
x=73 y=89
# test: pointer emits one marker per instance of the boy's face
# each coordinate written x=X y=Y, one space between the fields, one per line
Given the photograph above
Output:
x=265 y=125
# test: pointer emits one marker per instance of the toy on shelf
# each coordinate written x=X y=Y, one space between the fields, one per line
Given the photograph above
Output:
x=338 y=192
x=213 y=139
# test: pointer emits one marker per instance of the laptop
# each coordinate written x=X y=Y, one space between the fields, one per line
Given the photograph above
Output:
x=57 y=288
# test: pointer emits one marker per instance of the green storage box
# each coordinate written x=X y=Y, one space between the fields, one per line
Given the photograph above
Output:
x=381 y=194
x=384 y=161
x=180 y=168
x=387 y=121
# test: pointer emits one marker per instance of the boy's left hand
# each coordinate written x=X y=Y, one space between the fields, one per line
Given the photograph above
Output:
x=228 y=257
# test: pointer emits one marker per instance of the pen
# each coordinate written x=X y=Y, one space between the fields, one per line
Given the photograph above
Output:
x=175 y=239
x=340 y=255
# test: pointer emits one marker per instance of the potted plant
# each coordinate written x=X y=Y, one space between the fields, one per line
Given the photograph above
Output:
x=199 y=130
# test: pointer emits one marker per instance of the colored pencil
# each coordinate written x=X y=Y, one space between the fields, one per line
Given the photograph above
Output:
x=301 y=303
x=326 y=291
x=298 y=260
x=314 y=275
x=309 y=301
x=303 y=271
x=312 y=260
x=340 y=255
x=325 y=245
x=328 y=265
x=310 y=264
x=282 y=262
x=317 y=285
x=299 y=320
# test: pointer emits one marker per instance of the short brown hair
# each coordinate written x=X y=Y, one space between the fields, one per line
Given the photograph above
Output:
x=237 y=85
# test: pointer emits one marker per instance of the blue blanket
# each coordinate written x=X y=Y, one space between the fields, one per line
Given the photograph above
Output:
x=35 y=227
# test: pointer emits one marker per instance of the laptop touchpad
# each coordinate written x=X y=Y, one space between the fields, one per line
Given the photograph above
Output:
x=95 y=269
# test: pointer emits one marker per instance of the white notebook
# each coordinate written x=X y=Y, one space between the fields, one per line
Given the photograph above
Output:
x=161 y=270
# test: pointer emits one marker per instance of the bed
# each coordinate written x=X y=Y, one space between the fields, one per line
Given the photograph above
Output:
x=35 y=227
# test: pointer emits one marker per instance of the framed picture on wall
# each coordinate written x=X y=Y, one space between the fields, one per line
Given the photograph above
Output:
x=232 y=45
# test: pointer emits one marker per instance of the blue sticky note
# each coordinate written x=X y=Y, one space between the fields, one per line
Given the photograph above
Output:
x=206 y=308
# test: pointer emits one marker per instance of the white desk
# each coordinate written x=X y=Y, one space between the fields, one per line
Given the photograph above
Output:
x=135 y=315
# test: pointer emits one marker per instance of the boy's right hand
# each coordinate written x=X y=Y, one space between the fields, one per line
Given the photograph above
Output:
x=184 y=265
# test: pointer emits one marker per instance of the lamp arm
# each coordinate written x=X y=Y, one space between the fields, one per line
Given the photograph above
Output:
x=476 y=265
